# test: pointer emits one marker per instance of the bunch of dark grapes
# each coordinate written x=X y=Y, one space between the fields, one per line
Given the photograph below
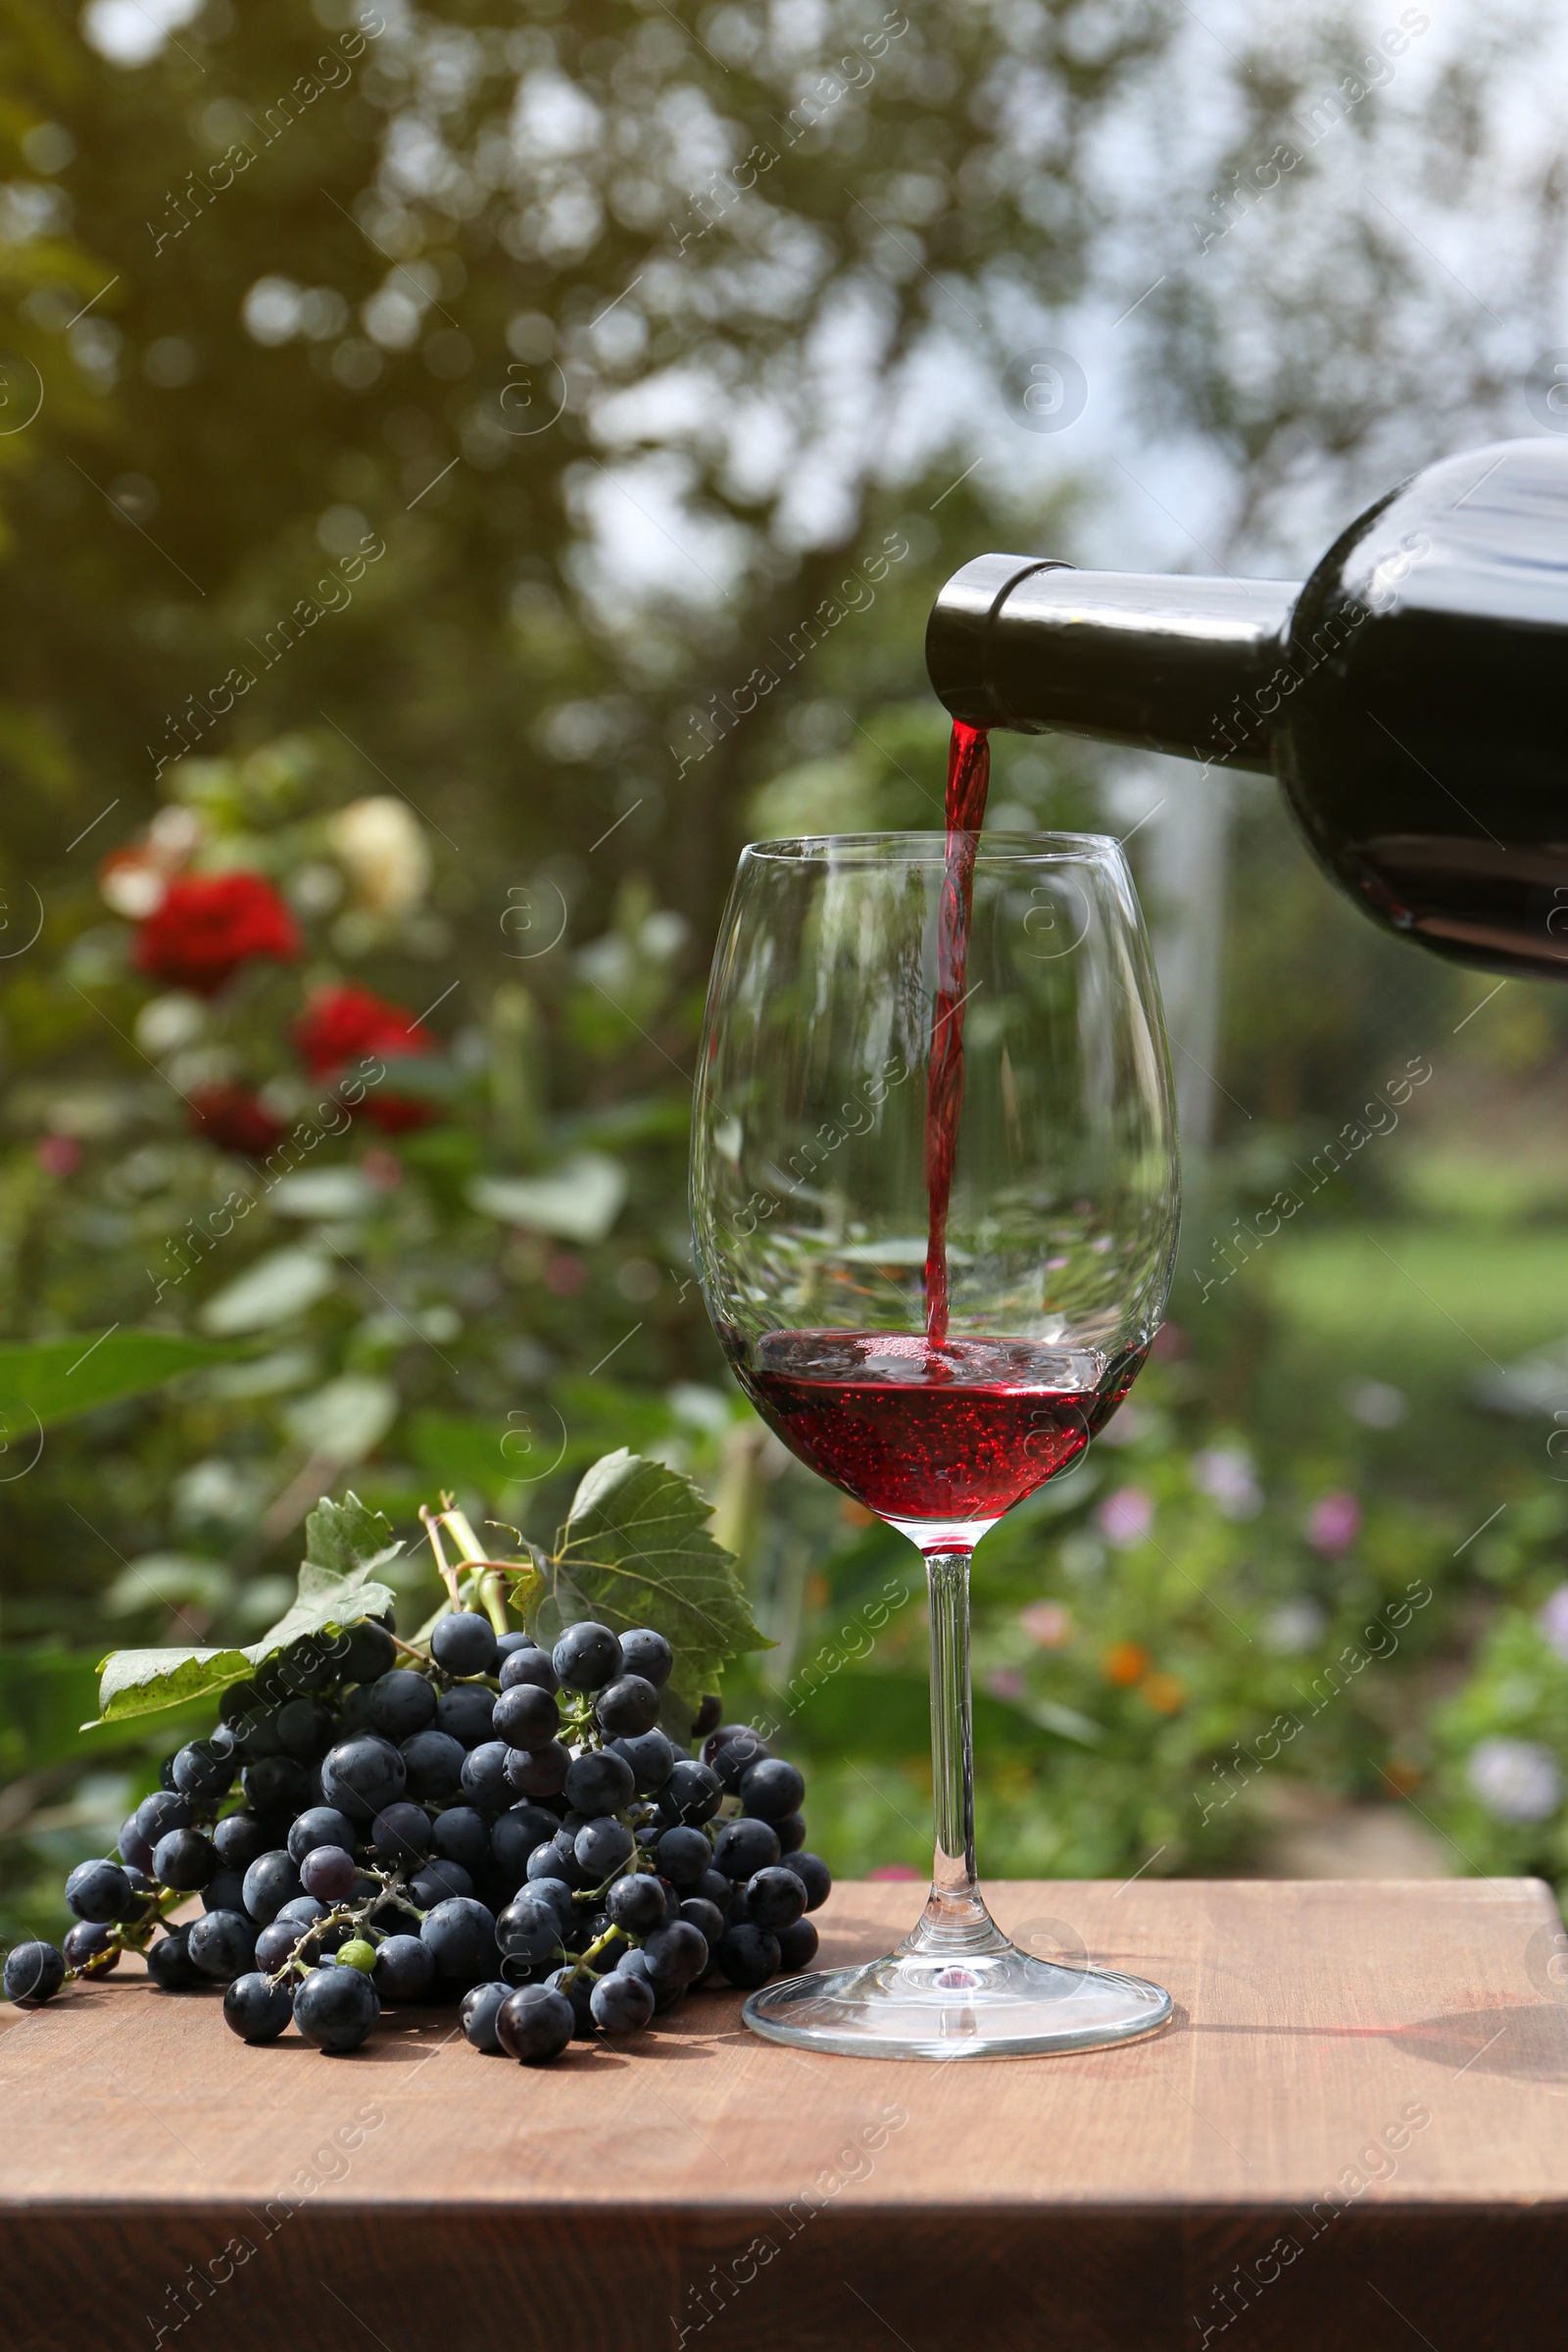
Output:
x=499 y=1825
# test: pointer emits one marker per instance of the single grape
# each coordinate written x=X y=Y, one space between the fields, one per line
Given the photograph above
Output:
x=747 y=1955
x=676 y=1954
x=401 y=1834
x=308 y=1664
x=357 y=1953
x=307 y=1908
x=796 y=1947
x=467 y=1714
x=401 y=1703
x=304 y=1730
x=743 y=1847
x=169 y=1964
x=554 y=1892
x=275 y=1785
x=336 y=2008
x=165 y=1810
x=222 y=1945
x=645 y=1653
x=627 y=1706
x=772 y=1789
x=621 y=2004
x=535 y=2023
x=255 y=1734
x=255 y=2010
x=577 y=1992
x=34 y=1973
x=354 y=1716
x=132 y=1847
x=224 y=1890
x=603 y=1846
x=683 y=1856
x=404 y=1970
x=478 y=2010
x=775 y=1898
x=463 y=1643
x=706 y=1918
x=166 y=1773
x=439 y=1881
x=692 y=1794
x=732 y=1752
x=587 y=1656
x=460 y=1835
x=328 y=1873
x=239 y=1702
x=599 y=1781
x=652 y=1760
x=363 y=1776
x=791 y=1832
x=529 y=1928
x=637 y=1903
x=240 y=1836
x=460 y=1936
x=270 y=1881
x=184 y=1858
x=91 y=1949
x=709 y=1712
x=432 y=1763
x=526 y=1716
x=367 y=1652
x=321 y=1825
x=506 y=1645
x=205 y=1769
x=528 y=1664
x=100 y=1891
x=484 y=1775
x=277 y=1943
x=715 y=1888
x=814 y=1876
x=538 y=1771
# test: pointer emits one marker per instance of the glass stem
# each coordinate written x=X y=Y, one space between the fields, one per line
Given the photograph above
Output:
x=955 y=1918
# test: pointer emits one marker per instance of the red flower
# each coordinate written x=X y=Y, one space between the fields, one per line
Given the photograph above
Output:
x=206 y=925
x=234 y=1119
x=344 y=1027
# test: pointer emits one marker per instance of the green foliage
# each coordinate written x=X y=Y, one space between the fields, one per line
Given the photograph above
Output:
x=54 y=1380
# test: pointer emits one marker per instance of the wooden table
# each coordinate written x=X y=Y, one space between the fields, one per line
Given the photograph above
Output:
x=1354 y=2133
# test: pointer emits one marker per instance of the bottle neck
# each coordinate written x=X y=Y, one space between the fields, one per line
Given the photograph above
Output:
x=1165 y=663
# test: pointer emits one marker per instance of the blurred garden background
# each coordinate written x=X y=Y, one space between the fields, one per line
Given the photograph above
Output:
x=465 y=471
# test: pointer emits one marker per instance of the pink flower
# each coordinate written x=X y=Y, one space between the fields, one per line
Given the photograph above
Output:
x=1333 y=1524
x=1048 y=1623
x=57 y=1155
x=1004 y=1682
x=1126 y=1516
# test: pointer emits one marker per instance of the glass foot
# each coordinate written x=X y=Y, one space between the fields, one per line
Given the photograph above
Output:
x=995 y=2003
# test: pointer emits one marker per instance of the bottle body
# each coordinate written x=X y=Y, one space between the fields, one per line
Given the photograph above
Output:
x=1409 y=698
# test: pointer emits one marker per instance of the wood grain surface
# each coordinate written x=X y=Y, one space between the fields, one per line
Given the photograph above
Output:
x=1355 y=2130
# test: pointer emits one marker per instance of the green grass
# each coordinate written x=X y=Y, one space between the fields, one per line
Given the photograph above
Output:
x=1434 y=1297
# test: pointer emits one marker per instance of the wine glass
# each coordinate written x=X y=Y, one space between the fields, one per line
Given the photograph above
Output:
x=938 y=1360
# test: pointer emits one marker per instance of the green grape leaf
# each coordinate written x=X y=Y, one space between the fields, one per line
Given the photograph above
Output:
x=636 y=1551
x=344 y=1546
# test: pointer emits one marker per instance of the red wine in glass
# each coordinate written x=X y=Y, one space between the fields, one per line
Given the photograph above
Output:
x=918 y=1432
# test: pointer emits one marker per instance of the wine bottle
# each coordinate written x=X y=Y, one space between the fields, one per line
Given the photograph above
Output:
x=1410 y=696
